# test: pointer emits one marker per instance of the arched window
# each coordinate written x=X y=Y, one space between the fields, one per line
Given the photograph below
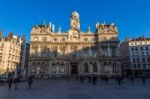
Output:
x=114 y=67
x=86 y=68
x=95 y=67
x=55 y=53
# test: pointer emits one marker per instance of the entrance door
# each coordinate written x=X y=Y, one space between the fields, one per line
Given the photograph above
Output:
x=74 y=68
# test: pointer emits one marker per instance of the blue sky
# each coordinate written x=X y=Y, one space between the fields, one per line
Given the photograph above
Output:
x=132 y=17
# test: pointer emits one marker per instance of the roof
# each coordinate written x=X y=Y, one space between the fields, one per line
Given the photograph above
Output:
x=140 y=39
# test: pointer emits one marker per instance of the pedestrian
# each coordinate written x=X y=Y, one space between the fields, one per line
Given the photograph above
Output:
x=30 y=81
x=143 y=80
x=10 y=81
x=119 y=80
x=107 y=80
x=89 y=79
x=81 y=79
x=94 y=80
x=16 y=83
x=132 y=79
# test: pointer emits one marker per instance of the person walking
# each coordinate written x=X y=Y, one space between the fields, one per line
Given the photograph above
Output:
x=30 y=81
x=16 y=83
x=143 y=80
x=89 y=78
x=132 y=79
x=94 y=80
x=107 y=80
x=10 y=81
x=119 y=80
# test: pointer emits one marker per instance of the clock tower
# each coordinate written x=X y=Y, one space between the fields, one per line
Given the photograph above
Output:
x=74 y=32
x=74 y=21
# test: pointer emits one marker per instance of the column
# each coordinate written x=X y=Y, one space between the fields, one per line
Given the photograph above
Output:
x=49 y=68
x=90 y=68
x=109 y=50
x=90 y=52
x=39 y=50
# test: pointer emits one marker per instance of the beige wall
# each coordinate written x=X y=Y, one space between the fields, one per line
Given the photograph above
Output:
x=10 y=55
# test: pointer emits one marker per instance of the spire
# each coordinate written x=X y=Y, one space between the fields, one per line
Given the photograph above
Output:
x=98 y=23
x=44 y=23
x=59 y=29
x=50 y=25
x=104 y=23
x=89 y=29
x=1 y=34
x=53 y=28
x=113 y=23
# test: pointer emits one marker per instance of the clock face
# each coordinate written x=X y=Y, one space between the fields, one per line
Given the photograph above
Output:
x=75 y=24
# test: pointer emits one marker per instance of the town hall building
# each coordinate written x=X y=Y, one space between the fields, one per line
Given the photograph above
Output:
x=74 y=52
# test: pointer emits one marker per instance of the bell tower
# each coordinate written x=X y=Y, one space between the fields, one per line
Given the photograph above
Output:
x=74 y=31
x=74 y=21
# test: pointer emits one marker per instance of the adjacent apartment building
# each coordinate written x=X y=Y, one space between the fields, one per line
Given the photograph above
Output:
x=11 y=55
x=135 y=55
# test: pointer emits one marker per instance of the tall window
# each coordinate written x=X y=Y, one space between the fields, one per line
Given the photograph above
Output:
x=138 y=60
x=132 y=48
x=95 y=67
x=113 y=51
x=86 y=68
x=142 y=48
x=136 y=48
x=146 y=48
x=148 y=59
x=133 y=60
x=114 y=67
x=55 y=53
x=143 y=59
x=144 y=66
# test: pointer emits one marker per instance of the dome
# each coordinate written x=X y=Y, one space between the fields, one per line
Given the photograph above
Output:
x=75 y=13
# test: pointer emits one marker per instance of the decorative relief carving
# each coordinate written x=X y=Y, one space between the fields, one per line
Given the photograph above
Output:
x=107 y=29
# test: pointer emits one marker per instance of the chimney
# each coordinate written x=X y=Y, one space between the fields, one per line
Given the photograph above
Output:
x=10 y=36
x=1 y=35
x=53 y=28
x=59 y=29
x=50 y=25
x=127 y=39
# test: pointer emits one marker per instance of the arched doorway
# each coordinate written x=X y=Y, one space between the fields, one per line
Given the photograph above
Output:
x=74 y=68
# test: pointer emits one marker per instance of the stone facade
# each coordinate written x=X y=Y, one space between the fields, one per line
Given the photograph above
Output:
x=23 y=66
x=74 y=52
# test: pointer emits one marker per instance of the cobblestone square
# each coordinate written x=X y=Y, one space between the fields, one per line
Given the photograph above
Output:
x=62 y=89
